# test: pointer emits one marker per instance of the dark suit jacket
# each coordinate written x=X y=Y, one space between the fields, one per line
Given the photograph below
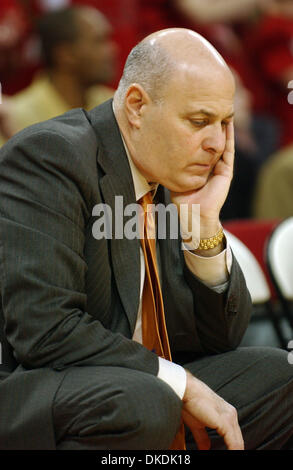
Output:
x=70 y=299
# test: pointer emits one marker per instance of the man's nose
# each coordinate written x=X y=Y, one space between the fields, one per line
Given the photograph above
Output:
x=215 y=139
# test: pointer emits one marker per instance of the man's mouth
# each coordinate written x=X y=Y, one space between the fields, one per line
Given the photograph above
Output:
x=201 y=167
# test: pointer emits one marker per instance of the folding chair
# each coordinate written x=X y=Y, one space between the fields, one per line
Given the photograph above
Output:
x=279 y=258
x=256 y=282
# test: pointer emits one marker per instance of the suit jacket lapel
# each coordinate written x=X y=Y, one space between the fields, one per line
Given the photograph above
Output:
x=117 y=181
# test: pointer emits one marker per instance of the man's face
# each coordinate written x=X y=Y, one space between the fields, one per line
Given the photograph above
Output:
x=95 y=52
x=180 y=141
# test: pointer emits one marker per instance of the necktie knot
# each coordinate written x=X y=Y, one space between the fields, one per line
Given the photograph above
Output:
x=146 y=200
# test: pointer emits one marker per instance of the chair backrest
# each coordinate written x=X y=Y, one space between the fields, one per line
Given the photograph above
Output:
x=280 y=257
x=254 y=276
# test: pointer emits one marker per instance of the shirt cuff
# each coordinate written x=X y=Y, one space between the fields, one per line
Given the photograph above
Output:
x=174 y=375
x=213 y=270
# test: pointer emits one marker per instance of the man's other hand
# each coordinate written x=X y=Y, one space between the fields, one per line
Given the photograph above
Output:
x=204 y=408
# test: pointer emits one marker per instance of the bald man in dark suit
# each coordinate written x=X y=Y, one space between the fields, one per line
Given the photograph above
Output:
x=75 y=372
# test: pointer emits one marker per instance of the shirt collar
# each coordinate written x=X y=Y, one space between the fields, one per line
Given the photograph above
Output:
x=141 y=185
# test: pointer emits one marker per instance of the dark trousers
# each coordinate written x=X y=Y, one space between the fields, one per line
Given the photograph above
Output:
x=116 y=408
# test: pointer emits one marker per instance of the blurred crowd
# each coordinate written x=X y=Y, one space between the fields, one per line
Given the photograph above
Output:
x=59 y=54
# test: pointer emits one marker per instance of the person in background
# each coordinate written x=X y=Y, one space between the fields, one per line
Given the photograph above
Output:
x=209 y=11
x=274 y=190
x=79 y=58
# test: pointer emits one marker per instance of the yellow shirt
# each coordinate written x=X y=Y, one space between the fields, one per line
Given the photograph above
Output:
x=274 y=191
x=40 y=101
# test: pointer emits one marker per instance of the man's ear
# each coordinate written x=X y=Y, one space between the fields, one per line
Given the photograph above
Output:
x=136 y=100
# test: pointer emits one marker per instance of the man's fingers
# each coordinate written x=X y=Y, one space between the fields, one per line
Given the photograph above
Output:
x=201 y=438
x=230 y=137
x=232 y=434
x=228 y=155
x=199 y=432
x=233 y=440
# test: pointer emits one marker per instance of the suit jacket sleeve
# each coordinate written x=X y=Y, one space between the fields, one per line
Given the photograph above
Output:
x=43 y=210
x=221 y=318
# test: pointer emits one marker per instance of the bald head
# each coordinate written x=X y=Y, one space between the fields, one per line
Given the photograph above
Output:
x=160 y=56
x=185 y=46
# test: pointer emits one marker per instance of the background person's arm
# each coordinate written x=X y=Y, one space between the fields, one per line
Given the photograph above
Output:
x=211 y=11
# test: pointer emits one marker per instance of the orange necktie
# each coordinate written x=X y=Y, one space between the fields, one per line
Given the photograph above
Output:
x=154 y=331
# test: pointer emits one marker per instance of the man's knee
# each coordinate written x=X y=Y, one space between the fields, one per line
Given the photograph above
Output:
x=154 y=411
x=116 y=408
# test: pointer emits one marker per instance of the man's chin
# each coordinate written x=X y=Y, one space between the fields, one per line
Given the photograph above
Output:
x=187 y=187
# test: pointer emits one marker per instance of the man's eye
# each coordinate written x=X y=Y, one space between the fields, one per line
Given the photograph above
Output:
x=200 y=123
